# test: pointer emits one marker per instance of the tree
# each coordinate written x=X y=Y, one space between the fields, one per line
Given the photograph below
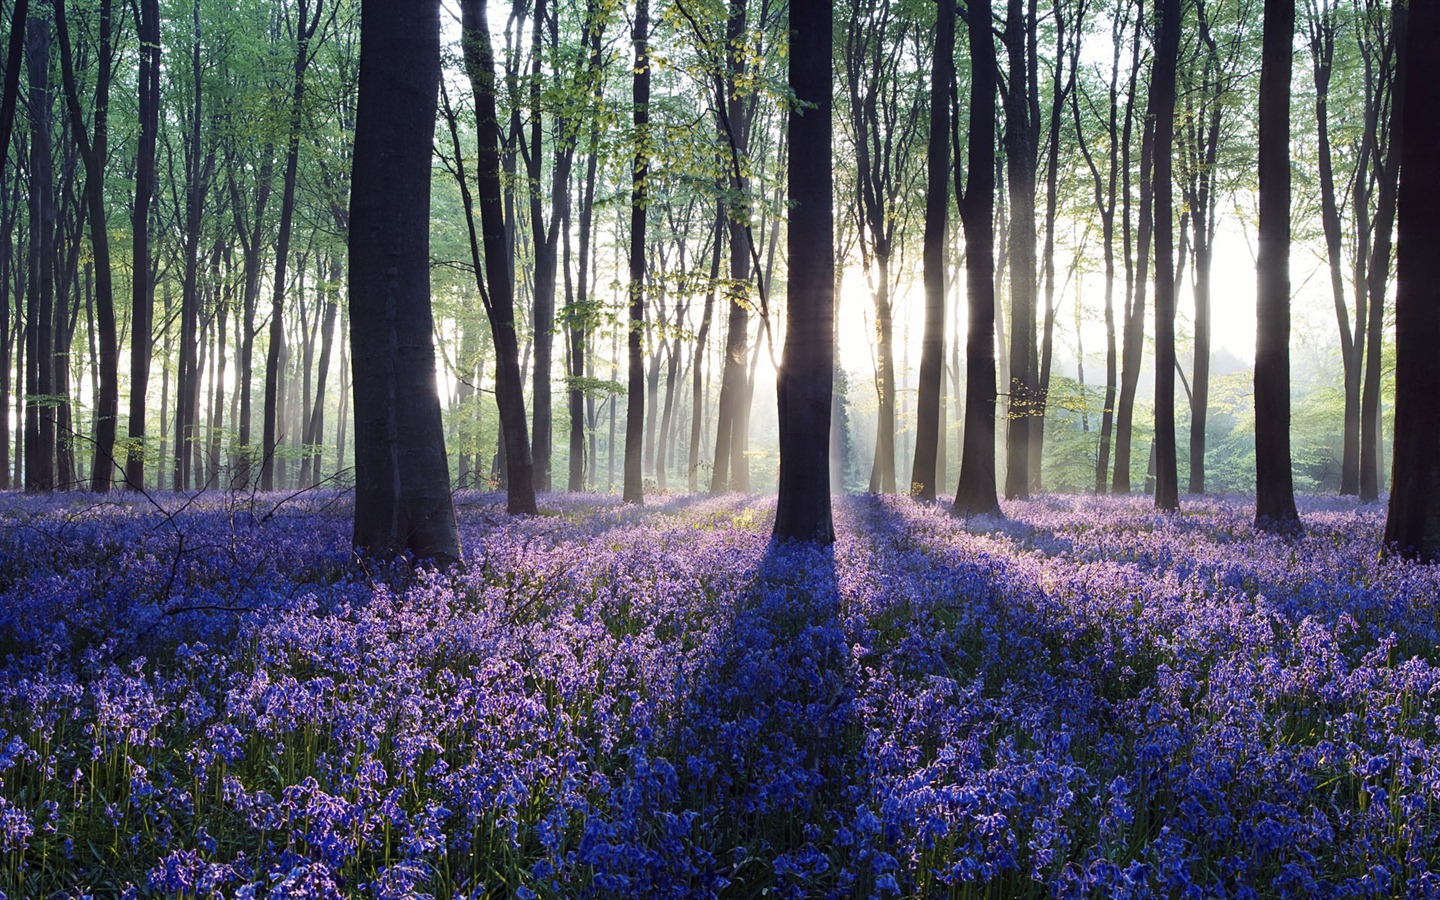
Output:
x=1022 y=138
x=40 y=299
x=975 y=494
x=142 y=294
x=305 y=26
x=635 y=406
x=1105 y=201
x=937 y=205
x=807 y=369
x=94 y=152
x=402 y=484
x=884 y=124
x=1412 y=527
x=1136 y=266
x=498 y=288
x=1274 y=482
x=1162 y=108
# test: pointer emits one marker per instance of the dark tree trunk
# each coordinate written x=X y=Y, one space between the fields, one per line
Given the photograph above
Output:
x=975 y=494
x=806 y=375
x=1274 y=482
x=1022 y=128
x=1162 y=106
x=634 y=489
x=94 y=152
x=928 y=405
x=1412 y=527
x=500 y=296
x=19 y=16
x=198 y=162
x=39 y=313
x=13 y=60
x=402 y=484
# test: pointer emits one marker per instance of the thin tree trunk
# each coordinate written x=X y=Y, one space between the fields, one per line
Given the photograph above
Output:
x=634 y=491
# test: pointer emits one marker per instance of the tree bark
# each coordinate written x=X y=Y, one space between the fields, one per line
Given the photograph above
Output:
x=1137 y=274
x=94 y=152
x=39 y=314
x=1412 y=527
x=806 y=376
x=1274 y=481
x=402 y=484
x=307 y=21
x=928 y=405
x=1162 y=104
x=500 y=297
x=634 y=487
x=975 y=494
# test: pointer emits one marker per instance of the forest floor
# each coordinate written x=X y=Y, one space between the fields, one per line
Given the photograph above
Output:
x=1086 y=698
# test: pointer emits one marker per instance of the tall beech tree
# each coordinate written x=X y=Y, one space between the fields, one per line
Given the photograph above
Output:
x=975 y=494
x=40 y=474
x=1106 y=190
x=402 y=484
x=1412 y=527
x=1162 y=109
x=734 y=113
x=94 y=152
x=634 y=488
x=142 y=283
x=304 y=27
x=884 y=119
x=807 y=368
x=497 y=289
x=1022 y=141
x=928 y=444
x=1274 y=481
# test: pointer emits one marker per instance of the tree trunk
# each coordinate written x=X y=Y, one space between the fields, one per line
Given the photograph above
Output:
x=806 y=376
x=702 y=342
x=929 y=443
x=1021 y=133
x=975 y=494
x=307 y=20
x=1376 y=279
x=500 y=306
x=402 y=484
x=39 y=313
x=1136 y=271
x=94 y=152
x=634 y=491
x=1274 y=482
x=1412 y=527
x=1162 y=105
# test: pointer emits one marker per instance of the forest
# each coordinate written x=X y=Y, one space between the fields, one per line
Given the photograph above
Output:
x=719 y=448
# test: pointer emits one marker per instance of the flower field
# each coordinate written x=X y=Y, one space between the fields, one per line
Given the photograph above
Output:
x=216 y=699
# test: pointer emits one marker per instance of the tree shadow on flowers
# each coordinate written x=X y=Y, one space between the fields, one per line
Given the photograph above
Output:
x=732 y=799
